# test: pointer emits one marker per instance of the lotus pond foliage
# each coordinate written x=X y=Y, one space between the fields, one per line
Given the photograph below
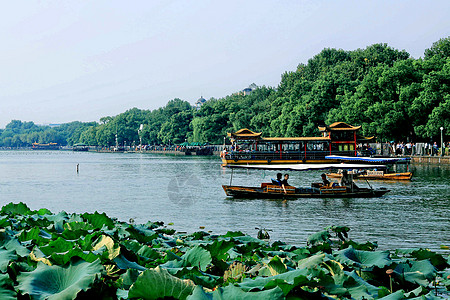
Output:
x=84 y=256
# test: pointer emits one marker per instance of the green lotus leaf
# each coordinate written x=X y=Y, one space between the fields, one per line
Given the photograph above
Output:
x=112 y=248
x=123 y=263
x=6 y=288
x=398 y=295
x=78 y=226
x=36 y=235
x=14 y=244
x=276 y=266
x=219 y=248
x=233 y=292
x=63 y=258
x=311 y=262
x=15 y=209
x=6 y=256
x=57 y=246
x=37 y=255
x=142 y=234
x=233 y=234
x=198 y=277
x=88 y=240
x=361 y=289
x=286 y=281
x=363 y=259
x=43 y=211
x=197 y=257
x=436 y=259
x=58 y=220
x=319 y=238
x=420 y=272
x=147 y=252
x=127 y=279
x=5 y=222
x=158 y=283
x=55 y=282
x=99 y=220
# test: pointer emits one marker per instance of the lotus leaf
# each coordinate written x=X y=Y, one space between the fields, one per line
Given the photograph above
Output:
x=286 y=281
x=363 y=259
x=6 y=288
x=16 y=209
x=435 y=258
x=398 y=295
x=98 y=220
x=6 y=256
x=43 y=211
x=312 y=261
x=11 y=243
x=37 y=255
x=276 y=266
x=158 y=283
x=63 y=258
x=128 y=278
x=55 y=282
x=57 y=246
x=218 y=249
x=233 y=292
x=420 y=272
x=112 y=248
x=124 y=263
x=319 y=238
x=197 y=257
x=361 y=289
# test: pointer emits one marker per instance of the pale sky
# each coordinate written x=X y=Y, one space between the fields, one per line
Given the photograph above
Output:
x=64 y=61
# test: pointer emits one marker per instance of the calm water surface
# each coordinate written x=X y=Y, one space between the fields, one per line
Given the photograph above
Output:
x=187 y=191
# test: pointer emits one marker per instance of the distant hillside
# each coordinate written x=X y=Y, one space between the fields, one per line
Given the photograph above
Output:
x=392 y=95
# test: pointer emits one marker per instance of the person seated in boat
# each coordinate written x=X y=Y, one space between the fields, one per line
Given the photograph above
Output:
x=284 y=182
x=278 y=180
x=347 y=181
x=325 y=181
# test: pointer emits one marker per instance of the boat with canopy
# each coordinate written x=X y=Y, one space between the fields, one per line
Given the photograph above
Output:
x=273 y=190
x=379 y=173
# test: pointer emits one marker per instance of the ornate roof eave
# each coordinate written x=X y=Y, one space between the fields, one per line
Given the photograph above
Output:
x=244 y=134
x=338 y=126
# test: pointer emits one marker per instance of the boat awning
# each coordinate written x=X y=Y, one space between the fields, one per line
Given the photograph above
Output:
x=306 y=167
x=384 y=160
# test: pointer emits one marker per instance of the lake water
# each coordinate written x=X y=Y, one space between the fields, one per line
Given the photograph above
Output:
x=187 y=192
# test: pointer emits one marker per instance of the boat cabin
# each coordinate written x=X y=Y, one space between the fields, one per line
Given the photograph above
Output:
x=251 y=147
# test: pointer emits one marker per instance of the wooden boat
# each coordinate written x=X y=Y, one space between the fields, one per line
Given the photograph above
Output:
x=271 y=191
x=376 y=175
x=317 y=190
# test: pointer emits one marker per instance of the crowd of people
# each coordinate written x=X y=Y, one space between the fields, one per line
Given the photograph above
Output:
x=422 y=149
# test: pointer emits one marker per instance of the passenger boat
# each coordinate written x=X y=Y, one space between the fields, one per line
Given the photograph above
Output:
x=317 y=190
x=271 y=191
x=248 y=147
x=80 y=147
x=380 y=173
x=375 y=175
x=49 y=146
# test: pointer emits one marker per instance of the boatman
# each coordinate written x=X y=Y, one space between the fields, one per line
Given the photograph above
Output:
x=325 y=181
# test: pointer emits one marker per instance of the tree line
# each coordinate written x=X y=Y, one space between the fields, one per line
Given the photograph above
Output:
x=392 y=95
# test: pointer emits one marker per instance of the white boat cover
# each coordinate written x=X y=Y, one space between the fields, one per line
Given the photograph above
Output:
x=306 y=167
x=383 y=160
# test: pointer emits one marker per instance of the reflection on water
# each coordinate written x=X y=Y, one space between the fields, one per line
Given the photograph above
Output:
x=187 y=191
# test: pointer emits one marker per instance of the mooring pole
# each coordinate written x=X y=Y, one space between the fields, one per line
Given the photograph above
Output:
x=231 y=178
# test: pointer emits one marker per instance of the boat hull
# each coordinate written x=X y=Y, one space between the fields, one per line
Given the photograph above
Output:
x=384 y=176
x=294 y=193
